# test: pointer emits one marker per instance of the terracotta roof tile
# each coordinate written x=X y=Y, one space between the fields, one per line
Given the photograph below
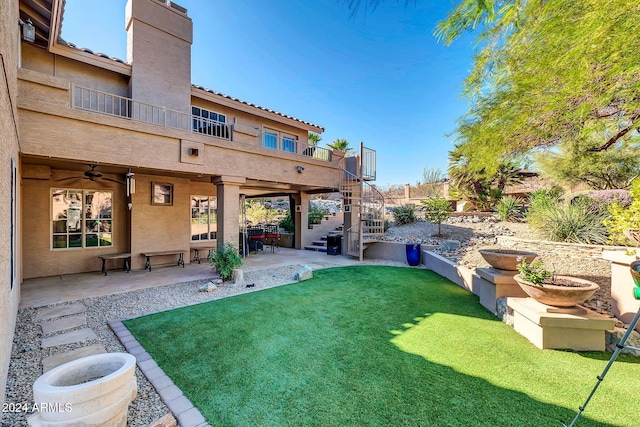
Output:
x=255 y=106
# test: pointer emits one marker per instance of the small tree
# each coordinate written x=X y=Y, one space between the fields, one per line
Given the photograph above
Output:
x=225 y=261
x=436 y=210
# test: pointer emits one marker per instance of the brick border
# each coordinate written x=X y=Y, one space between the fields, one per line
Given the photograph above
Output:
x=181 y=407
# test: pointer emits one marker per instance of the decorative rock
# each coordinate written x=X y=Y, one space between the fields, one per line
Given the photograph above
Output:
x=166 y=421
x=304 y=273
x=503 y=311
x=450 y=245
x=238 y=276
x=208 y=287
x=218 y=281
x=613 y=337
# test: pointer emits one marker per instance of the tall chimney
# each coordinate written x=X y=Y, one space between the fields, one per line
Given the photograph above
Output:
x=159 y=37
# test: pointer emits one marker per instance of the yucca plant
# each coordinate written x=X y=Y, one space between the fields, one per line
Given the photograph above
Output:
x=570 y=223
x=539 y=202
x=509 y=208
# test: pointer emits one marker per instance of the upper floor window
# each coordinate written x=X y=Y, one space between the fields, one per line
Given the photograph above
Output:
x=278 y=140
x=203 y=218
x=209 y=122
x=81 y=218
x=271 y=140
x=288 y=144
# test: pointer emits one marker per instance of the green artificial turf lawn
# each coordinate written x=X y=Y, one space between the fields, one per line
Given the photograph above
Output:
x=376 y=345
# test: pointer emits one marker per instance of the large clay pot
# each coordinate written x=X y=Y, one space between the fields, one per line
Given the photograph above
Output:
x=506 y=259
x=558 y=295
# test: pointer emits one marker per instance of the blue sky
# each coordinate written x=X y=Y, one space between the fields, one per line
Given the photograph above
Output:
x=378 y=77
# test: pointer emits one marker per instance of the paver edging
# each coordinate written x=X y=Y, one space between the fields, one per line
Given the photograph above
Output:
x=190 y=416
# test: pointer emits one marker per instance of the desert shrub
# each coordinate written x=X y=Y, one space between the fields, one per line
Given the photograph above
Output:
x=286 y=223
x=540 y=201
x=623 y=218
x=225 y=260
x=316 y=214
x=257 y=213
x=601 y=199
x=405 y=214
x=387 y=225
x=622 y=197
x=509 y=208
x=570 y=223
x=436 y=210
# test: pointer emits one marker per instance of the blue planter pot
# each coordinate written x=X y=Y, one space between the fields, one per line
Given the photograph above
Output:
x=413 y=254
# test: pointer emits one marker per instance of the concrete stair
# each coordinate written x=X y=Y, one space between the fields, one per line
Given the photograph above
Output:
x=320 y=245
x=315 y=238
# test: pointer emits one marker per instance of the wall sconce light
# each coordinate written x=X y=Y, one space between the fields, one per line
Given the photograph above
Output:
x=131 y=183
x=193 y=151
x=299 y=168
x=28 y=31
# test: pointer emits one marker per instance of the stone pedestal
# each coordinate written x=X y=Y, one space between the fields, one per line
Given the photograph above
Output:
x=574 y=328
x=493 y=284
x=624 y=304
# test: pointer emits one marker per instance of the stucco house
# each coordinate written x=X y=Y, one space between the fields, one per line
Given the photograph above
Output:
x=100 y=155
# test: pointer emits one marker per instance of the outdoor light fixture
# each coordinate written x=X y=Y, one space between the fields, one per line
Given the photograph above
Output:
x=193 y=151
x=299 y=168
x=131 y=183
x=28 y=31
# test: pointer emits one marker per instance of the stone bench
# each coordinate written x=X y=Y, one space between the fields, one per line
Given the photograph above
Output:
x=149 y=255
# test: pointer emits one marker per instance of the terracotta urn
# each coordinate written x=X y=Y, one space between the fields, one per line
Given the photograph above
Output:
x=506 y=259
x=565 y=291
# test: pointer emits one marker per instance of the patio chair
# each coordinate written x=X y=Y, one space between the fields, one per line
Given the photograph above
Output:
x=255 y=236
x=272 y=235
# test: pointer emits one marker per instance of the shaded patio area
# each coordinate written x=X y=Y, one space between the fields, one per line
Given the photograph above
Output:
x=56 y=289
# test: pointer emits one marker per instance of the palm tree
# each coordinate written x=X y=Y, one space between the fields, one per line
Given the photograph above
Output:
x=314 y=139
x=341 y=144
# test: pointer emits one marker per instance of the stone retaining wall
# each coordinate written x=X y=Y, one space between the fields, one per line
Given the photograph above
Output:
x=568 y=250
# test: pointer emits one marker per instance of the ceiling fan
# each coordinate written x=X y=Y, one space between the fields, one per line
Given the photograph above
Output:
x=92 y=174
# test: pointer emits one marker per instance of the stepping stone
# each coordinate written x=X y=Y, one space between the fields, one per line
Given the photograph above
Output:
x=68 y=322
x=58 y=359
x=78 y=335
x=60 y=310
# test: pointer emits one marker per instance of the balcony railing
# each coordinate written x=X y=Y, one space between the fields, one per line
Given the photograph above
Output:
x=120 y=106
x=288 y=144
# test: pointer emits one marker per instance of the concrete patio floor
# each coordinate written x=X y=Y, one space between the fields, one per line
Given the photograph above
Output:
x=45 y=291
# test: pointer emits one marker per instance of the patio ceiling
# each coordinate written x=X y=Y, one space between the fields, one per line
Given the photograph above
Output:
x=252 y=188
x=39 y=12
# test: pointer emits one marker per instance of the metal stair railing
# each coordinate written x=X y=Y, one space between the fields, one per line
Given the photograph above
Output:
x=366 y=204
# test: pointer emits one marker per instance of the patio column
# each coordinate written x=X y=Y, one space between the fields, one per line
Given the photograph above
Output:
x=228 y=213
x=301 y=219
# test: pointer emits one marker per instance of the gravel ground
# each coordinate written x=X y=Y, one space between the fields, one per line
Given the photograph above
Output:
x=26 y=356
x=480 y=233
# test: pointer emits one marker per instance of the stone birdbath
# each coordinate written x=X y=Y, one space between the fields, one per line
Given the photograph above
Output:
x=506 y=259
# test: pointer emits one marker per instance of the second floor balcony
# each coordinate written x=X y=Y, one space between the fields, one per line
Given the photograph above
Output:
x=96 y=101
